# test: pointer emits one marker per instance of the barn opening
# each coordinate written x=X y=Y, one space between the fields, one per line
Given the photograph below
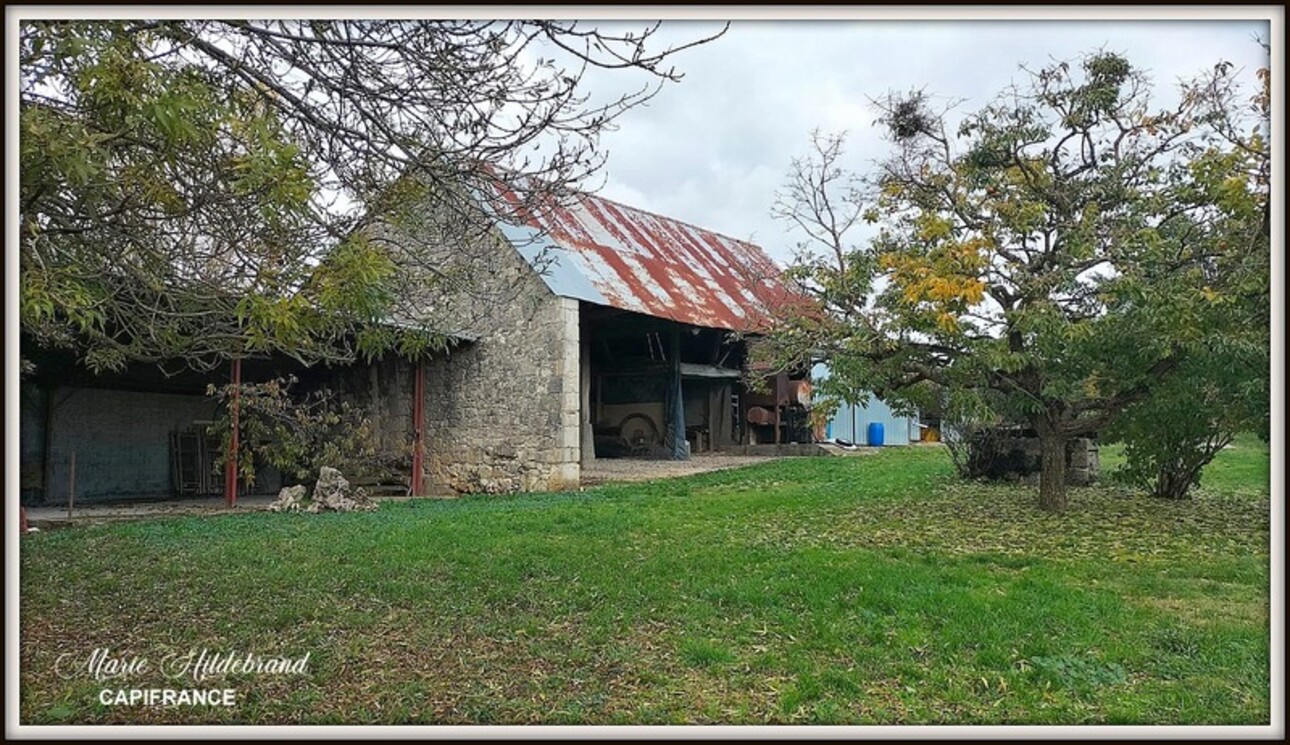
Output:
x=658 y=388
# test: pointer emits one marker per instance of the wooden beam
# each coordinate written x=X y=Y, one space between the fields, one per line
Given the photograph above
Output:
x=586 y=433
x=600 y=399
x=678 y=399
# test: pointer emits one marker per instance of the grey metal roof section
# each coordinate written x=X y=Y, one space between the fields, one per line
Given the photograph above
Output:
x=557 y=266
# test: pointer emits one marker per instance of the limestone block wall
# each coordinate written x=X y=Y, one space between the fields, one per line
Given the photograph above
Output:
x=384 y=389
x=502 y=412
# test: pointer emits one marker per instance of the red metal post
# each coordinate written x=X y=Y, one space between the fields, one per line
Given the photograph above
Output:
x=230 y=467
x=418 y=428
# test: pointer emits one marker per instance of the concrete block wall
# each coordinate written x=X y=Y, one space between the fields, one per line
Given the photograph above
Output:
x=121 y=439
x=32 y=401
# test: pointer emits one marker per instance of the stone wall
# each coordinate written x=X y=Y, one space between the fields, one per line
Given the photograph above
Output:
x=1083 y=464
x=383 y=388
x=502 y=411
x=1021 y=457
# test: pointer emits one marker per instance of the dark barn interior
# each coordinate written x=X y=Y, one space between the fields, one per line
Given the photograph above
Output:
x=637 y=364
x=141 y=433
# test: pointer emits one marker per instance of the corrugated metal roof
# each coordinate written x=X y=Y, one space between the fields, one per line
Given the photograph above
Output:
x=604 y=252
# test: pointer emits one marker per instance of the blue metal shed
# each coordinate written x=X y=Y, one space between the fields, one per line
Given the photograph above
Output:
x=851 y=423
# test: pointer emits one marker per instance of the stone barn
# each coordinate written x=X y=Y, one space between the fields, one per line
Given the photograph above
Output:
x=623 y=337
x=603 y=331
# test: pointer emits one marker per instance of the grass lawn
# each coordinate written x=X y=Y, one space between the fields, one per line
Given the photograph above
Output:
x=868 y=589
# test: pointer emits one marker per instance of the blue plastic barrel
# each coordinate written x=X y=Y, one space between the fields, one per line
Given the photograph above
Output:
x=875 y=434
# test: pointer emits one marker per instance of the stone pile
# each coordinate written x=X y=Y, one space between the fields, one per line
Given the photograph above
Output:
x=332 y=493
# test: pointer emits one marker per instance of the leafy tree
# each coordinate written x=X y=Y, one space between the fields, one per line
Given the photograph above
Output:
x=1222 y=387
x=1050 y=258
x=200 y=189
x=298 y=433
x=1173 y=434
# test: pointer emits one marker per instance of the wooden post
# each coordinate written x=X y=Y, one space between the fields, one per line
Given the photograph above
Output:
x=418 y=429
x=741 y=411
x=713 y=405
x=724 y=418
x=778 y=398
x=678 y=400
x=230 y=467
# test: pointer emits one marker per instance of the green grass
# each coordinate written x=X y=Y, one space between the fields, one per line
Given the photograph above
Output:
x=817 y=590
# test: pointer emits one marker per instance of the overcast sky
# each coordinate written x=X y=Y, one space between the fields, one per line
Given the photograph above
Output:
x=712 y=149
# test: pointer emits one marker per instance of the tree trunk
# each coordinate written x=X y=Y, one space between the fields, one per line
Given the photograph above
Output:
x=1171 y=483
x=1052 y=472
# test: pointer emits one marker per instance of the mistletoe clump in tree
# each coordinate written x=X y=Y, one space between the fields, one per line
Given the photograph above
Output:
x=1053 y=258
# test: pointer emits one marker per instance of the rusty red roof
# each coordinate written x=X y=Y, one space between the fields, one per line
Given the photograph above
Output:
x=601 y=251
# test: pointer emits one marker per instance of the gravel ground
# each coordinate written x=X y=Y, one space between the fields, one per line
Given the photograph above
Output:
x=642 y=469
x=601 y=471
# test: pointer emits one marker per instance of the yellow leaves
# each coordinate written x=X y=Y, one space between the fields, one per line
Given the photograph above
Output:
x=932 y=227
x=1210 y=296
x=939 y=282
x=941 y=288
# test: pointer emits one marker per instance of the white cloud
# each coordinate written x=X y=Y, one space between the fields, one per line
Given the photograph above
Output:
x=712 y=149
